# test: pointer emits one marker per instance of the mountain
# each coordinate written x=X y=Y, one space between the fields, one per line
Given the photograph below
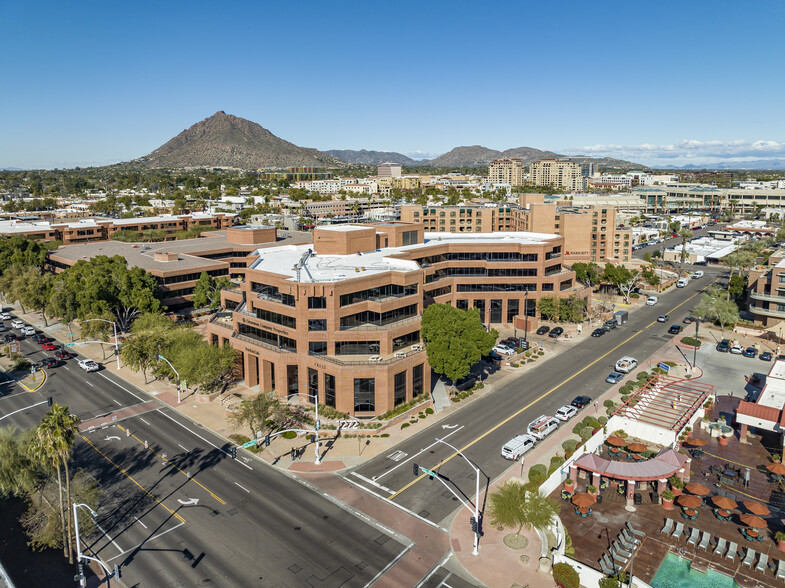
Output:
x=755 y=164
x=473 y=156
x=606 y=162
x=228 y=141
x=478 y=156
x=366 y=157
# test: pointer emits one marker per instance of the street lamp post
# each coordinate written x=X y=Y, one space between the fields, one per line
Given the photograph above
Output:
x=317 y=457
x=476 y=496
x=79 y=555
x=695 y=350
x=116 y=342
x=176 y=373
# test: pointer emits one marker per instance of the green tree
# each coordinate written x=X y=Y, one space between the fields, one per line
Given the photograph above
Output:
x=17 y=470
x=587 y=273
x=148 y=339
x=515 y=506
x=549 y=306
x=455 y=339
x=624 y=279
x=257 y=412
x=572 y=309
x=35 y=289
x=737 y=286
x=207 y=291
x=715 y=306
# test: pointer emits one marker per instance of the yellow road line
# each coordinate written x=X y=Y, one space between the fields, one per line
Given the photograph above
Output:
x=533 y=402
x=43 y=381
x=127 y=475
x=190 y=479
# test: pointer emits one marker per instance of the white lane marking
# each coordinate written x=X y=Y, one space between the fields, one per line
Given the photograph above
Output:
x=434 y=570
x=147 y=541
x=141 y=523
x=389 y=565
x=25 y=408
x=116 y=402
x=121 y=387
x=200 y=437
x=109 y=537
x=397 y=455
x=369 y=481
x=89 y=384
x=243 y=487
x=416 y=454
x=65 y=367
x=12 y=395
x=444 y=582
x=183 y=448
x=145 y=422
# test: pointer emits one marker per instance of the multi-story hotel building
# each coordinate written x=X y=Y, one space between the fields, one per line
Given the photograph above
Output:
x=766 y=290
x=558 y=173
x=506 y=171
x=340 y=319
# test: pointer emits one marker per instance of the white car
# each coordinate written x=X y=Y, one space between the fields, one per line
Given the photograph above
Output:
x=565 y=413
x=17 y=324
x=737 y=349
x=4 y=316
x=626 y=364
x=504 y=350
x=651 y=301
x=88 y=365
x=28 y=330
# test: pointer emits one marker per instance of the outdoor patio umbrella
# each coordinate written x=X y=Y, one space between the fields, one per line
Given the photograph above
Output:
x=756 y=508
x=616 y=441
x=695 y=488
x=696 y=442
x=583 y=499
x=724 y=502
x=689 y=501
x=636 y=447
x=753 y=521
x=777 y=469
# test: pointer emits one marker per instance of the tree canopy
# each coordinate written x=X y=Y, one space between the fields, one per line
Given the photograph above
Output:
x=715 y=306
x=207 y=291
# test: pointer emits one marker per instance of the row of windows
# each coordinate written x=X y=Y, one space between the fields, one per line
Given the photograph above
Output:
x=438 y=292
x=285 y=343
x=369 y=317
x=180 y=292
x=477 y=256
x=481 y=272
x=271 y=293
x=378 y=294
x=191 y=277
x=226 y=254
x=274 y=317
x=499 y=287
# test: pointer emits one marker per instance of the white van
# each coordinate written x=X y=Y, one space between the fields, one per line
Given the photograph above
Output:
x=517 y=446
x=697 y=274
x=682 y=282
x=651 y=301
x=542 y=426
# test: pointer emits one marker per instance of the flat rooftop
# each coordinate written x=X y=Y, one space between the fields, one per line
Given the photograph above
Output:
x=282 y=260
x=773 y=393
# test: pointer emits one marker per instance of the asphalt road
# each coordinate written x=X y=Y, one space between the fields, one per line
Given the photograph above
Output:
x=481 y=429
x=176 y=510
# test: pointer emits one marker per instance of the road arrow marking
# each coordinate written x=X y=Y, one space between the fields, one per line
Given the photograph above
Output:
x=192 y=501
x=449 y=426
x=112 y=437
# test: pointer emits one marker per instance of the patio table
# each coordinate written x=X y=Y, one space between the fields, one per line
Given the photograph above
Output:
x=723 y=515
x=690 y=514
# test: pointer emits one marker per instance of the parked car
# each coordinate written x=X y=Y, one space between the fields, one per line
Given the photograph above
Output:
x=663 y=318
x=504 y=349
x=88 y=365
x=513 y=342
x=543 y=330
x=651 y=301
x=17 y=324
x=40 y=338
x=598 y=332
x=542 y=426
x=4 y=316
x=50 y=362
x=614 y=377
x=62 y=354
x=737 y=349
x=556 y=333
x=765 y=356
x=610 y=325
x=723 y=346
x=675 y=329
x=565 y=413
x=492 y=356
x=48 y=346
x=688 y=320
x=10 y=337
x=517 y=446
x=580 y=401
x=626 y=364
x=750 y=352
x=28 y=330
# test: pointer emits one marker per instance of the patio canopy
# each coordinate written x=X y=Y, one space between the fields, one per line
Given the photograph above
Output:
x=665 y=464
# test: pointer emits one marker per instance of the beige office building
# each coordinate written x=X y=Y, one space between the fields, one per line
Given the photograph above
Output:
x=557 y=173
x=506 y=171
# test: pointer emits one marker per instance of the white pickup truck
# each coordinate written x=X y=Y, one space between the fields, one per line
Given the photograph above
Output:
x=517 y=446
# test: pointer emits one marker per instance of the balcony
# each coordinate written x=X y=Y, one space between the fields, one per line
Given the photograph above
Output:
x=767 y=297
x=374 y=327
x=404 y=353
x=769 y=312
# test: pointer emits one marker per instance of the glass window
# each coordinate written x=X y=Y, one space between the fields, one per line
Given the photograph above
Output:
x=371 y=318
x=379 y=294
x=292 y=381
x=329 y=390
x=317 y=324
x=406 y=340
x=313 y=385
x=480 y=303
x=462 y=304
x=364 y=394
x=496 y=311
x=400 y=389
x=266 y=337
x=357 y=347
x=417 y=372
x=274 y=317
x=409 y=238
x=512 y=309
x=317 y=302
x=317 y=347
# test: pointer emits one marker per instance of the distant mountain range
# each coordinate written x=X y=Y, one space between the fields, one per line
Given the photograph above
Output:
x=365 y=157
x=756 y=164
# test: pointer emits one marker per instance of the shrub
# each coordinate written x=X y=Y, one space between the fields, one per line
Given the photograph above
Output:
x=676 y=482
x=402 y=408
x=570 y=445
x=602 y=420
x=556 y=463
x=384 y=435
x=428 y=411
x=635 y=295
x=515 y=365
x=621 y=433
x=586 y=433
x=537 y=474
x=609 y=404
x=576 y=430
x=594 y=423
x=625 y=390
x=289 y=435
x=565 y=576
x=239 y=439
x=403 y=426
x=691 y=341
x=643 y=376
x=670 y=363
x=609 y=582
x=667 y=495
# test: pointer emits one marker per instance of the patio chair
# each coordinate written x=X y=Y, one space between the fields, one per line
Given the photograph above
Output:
x=721 y=545
x=750 y=557
x=625 y=545
x=610 y=563
x=780 y=569
x=635 y=531
x=733 y=548
x=704 y=540
x=693 y=540
x=608 y=571
x=629 y=537
x=668 y=526
x=621 y=551
x=678 y=531
x=763 y=563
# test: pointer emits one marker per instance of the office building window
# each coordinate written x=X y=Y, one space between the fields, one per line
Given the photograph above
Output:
x=313 y=385
x=329 y=390
x=317 y=347
x=462 y=304
x=292 y=381
x=364 y=394
x=417 y=372
x=409 y=238
x=317 y=302
x=357 y=347
x=480 y=303
x=496 y=311
x=512 y=310
x=400 y=389
x=317 y=324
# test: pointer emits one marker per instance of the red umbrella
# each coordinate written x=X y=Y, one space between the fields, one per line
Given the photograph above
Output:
x=777 y=469
x=695 y=488
x=636 y=447
x=689 y=501
x=724 y=502
x=753 y=521
x=616 y=441
x=583 y=499
x=756 y=508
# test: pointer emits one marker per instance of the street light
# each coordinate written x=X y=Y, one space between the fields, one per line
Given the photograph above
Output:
x=116 y=343
x=176 y=373
x=79 y=555
x=317 y=426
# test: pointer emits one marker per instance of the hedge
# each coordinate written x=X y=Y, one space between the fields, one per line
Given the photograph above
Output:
x=556 y=463
x=691 y=341
x=538 y=473
x=569 y=445
x=566 y=576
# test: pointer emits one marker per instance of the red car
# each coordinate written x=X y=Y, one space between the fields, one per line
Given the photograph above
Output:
x=48 y=346
x=61 y=354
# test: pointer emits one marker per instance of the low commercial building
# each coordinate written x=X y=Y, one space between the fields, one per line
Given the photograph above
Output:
x=704 y=249
x=766 y=412
x=340 y=319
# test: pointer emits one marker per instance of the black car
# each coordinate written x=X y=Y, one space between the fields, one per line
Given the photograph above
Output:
x=62 y=354
x=765 y=356
x=493 y=356
x=514 y=342
x=555 y=333
x=39 y=338
x=580 y=401
x=675 y=329
x=688 y=320
x=723 y=346
x=543 y=330
x=598 y=332
x=11 y=337
x=50 y=362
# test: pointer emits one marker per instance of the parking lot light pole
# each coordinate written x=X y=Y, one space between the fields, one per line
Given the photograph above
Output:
x=476 y=496
x=116 y=342
x=79 y=555
x=176 y=373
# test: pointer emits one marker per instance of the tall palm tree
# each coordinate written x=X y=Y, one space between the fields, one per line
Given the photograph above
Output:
x=685 y=235
x=55 y=440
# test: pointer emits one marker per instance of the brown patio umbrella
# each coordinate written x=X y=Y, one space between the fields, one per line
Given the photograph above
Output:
x=616 y=441
x=696 y=442
x=753 y=521
x=636 y=447
x=689 y=501
x=695 y=488
x=724 y=502
x=756 y=508
x=777 y=469
x=583 y=499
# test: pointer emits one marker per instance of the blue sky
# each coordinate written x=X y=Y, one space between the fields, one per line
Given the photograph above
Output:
x=89 y=83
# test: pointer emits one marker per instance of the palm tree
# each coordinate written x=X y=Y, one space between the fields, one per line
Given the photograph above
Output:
x=52 y=447
x=685 y=236
x=516 y=506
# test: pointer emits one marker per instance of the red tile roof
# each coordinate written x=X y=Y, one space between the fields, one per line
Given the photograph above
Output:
x=758 y=411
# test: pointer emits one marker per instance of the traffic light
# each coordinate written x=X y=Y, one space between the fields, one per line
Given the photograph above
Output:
x=415 y=469
x=267 y=441
x=49 y=401
x=473 y=521
x=234 y=452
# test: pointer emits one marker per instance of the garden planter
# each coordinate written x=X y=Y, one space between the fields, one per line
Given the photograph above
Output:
x=667 y=504
x=723 y=441
x=781 y=545
x=676 y=492
x=569 y=487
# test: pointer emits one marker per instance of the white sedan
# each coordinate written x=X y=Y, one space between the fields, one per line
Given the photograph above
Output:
x=565 y=413
x=4 y=316
x=738 y=349
x=504 y=349
x=88 y=365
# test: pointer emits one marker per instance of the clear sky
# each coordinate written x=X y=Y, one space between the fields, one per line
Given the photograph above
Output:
x=90 y=83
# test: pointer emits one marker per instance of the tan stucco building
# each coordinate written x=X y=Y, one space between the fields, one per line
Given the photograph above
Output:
x=557 y=173
x=506 y=171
